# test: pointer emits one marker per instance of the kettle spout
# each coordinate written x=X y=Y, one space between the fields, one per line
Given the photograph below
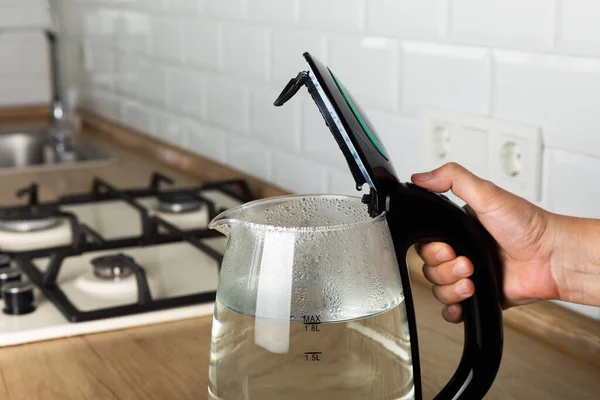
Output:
x=224 y=221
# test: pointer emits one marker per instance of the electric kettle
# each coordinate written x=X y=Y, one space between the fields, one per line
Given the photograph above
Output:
x=314 y=298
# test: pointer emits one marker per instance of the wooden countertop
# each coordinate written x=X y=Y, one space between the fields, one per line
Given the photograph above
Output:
x=170 y=361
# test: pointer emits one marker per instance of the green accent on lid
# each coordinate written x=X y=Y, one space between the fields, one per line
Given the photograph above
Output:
x=360 y=119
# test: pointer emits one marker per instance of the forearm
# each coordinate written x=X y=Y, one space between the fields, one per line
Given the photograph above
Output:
x=575 y=261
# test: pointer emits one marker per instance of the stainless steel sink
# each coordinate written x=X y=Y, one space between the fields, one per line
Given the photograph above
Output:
x=30 y=147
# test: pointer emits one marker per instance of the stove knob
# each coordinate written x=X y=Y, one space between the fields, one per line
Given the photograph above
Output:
x=4 y=260
x=18 y=298
x=8 y=275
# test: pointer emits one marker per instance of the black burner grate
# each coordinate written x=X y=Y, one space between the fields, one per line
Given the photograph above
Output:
x=86 y=239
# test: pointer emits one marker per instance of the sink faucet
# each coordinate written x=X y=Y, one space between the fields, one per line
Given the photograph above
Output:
x=58 y=139
x=58 y=111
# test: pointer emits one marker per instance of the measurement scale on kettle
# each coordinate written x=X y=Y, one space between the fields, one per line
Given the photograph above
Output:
x=314 y=299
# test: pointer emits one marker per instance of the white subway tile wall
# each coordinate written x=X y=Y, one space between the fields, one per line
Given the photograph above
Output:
x=572 y=189
x=101 y=66
x=340 y=181
x=278 y=127
x=227 y=103
x=246 y=51
x=579 y=29
x=278 y=12
x=24 y=74
x=100 y=25
x=313 y=178
x=19 y=13
x=229 y=9
x=167 y=38
x=143 y=79
x=169 y=127
x=202 y=44
x=185 y=91
x=512 y=23
x=559 y=93
x=188 y=7
x=137 y=116
x=288 y=45
x=134 y=32
x=418 y=19
x=249 y=156
x=203 y=74
x=341 y=15
x=444 y=76
x=209 y=141
x=102 y=102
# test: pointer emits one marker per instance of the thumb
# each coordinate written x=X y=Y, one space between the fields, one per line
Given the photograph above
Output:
x=481 y=195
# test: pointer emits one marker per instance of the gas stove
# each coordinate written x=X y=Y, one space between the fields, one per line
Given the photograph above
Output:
x=110 y=259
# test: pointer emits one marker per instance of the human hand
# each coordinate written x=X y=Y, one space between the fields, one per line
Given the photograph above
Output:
x=527 y=236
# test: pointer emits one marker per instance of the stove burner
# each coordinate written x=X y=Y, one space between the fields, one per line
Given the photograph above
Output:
x=178 y=203
x=114 y=278
x=27 y=220
x=112 y=267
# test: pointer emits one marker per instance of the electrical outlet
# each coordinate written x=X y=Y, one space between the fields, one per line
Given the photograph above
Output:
x=507 y=153
x=516 y=158
x=454 y=137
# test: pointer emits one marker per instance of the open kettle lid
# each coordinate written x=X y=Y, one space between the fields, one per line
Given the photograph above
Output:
x=364 y=152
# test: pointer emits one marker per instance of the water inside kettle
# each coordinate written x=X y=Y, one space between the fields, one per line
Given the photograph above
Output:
x=309 y=305
x=361 y=358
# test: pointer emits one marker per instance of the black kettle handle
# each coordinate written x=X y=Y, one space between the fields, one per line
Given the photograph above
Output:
x=416 y=215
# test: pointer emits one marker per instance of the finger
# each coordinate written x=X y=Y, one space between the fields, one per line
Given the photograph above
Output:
x=436 y=253
x=449 y=272
x=452 y=313
x=454 y=293
x=480 y=194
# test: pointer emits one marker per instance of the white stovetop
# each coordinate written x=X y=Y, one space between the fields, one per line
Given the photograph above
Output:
x=173 y=269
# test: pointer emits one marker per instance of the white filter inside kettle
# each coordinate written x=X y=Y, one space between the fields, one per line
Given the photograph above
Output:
x=274 y=295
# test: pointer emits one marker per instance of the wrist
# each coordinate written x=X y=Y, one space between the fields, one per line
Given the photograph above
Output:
x=575 y=259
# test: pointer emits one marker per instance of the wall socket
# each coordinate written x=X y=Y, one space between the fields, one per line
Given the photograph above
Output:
x=507 y=153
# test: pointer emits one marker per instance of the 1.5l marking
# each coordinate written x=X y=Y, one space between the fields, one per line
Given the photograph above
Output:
x=312 y=356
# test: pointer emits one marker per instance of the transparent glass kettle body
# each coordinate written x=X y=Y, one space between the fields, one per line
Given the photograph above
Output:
x=309 y=304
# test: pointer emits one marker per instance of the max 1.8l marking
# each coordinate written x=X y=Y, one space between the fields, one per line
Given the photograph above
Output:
x=311 y=323
x=311 y=319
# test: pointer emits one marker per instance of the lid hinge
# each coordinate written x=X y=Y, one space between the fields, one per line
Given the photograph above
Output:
x=291 y=88
x=376 y=203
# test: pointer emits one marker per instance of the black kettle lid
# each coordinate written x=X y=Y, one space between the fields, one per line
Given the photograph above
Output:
x=365 y=154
